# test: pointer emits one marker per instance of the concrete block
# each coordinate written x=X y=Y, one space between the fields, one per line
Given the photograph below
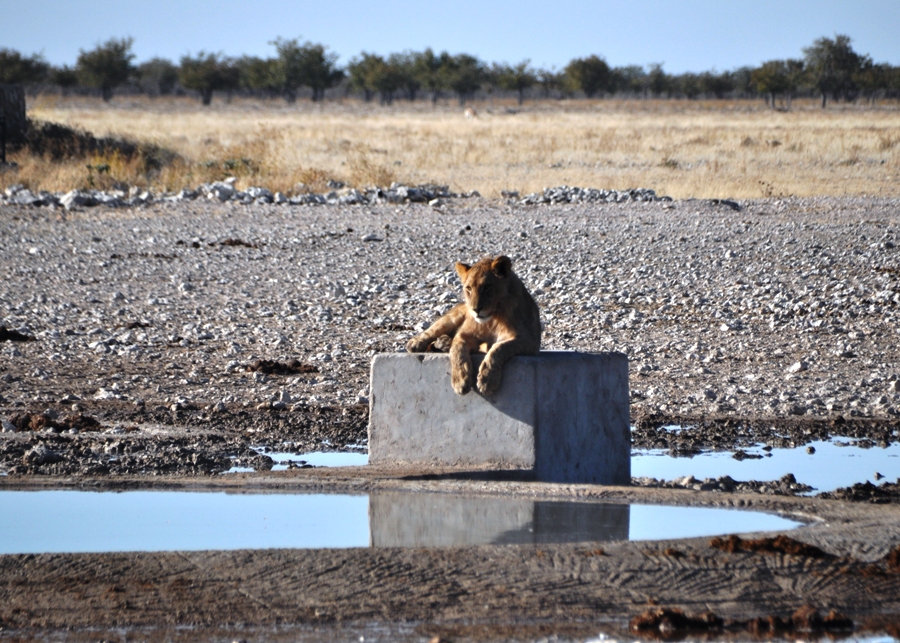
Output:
x=562 y=415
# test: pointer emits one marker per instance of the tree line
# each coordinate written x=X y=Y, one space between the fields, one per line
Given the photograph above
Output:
x=829 y=68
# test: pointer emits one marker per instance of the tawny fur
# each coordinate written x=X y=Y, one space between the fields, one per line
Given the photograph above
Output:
x=499 y=317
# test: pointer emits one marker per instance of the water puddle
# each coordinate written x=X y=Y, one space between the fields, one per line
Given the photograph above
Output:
x=287 y=460
x=318 y=459
x=826 y=466
x=85 y=521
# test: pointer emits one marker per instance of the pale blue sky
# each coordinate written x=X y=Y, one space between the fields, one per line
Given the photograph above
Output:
x=685 y=35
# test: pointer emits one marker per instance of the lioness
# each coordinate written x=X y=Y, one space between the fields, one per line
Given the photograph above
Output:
x=499 y=317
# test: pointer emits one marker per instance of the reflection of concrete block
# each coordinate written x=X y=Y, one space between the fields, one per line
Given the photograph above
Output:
x=444 y=520
x=563 y=415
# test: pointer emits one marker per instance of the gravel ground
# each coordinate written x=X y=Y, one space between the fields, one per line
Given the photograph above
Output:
x=157 y=321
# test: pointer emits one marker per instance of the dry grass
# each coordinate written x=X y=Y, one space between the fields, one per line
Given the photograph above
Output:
x=680 y=148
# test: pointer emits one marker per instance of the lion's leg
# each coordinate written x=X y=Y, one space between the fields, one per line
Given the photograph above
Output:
x=490 y=372
x=462 y=375
x=446 y=325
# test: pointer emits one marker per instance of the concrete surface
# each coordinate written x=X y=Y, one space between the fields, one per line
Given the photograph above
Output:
x=562 y=415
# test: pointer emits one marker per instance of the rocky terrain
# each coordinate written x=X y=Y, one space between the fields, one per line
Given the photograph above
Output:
x=175 y=335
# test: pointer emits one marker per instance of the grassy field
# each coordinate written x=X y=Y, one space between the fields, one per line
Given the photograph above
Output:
x=715 y=149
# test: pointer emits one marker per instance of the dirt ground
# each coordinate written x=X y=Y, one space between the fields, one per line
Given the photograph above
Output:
x=122 y=388
x=849 y=564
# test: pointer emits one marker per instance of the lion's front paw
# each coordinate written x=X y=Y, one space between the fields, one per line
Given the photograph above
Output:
x=442 y=344
x=488 y=378
x=418 y=344
x=461 y=380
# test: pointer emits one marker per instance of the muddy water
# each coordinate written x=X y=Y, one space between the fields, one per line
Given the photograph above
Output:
x=80 y=521
x=824 y=465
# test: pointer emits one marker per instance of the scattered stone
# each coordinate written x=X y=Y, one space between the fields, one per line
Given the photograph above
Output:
x=225 y=191
x=566 y=194
x=867 y=492
x=40 y=455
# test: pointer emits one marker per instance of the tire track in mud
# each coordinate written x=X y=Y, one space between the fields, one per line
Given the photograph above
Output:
x=320 y=585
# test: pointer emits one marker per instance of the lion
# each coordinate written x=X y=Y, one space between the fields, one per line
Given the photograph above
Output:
x=499 y=317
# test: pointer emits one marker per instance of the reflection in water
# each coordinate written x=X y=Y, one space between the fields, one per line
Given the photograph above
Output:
x=441 y=520
x=90 y=521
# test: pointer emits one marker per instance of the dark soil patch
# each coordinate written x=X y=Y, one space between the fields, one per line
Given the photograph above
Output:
x=236 y=243
x=673 y=624
x=777 y=545
x=136 y=324
x=892 y=560
x=42 y=422
x=9 y=335
x=271 y=367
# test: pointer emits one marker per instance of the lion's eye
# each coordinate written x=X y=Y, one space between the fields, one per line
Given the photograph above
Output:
x=468 y=288
x=487 y=288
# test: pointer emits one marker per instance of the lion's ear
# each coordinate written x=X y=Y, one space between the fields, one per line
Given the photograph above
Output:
x=462 y=269
x=502 y=266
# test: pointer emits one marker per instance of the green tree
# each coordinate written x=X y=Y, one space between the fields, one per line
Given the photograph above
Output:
x=64 y=77
x=158 y=76
x=18 y=69
x=406 y=68
x=716 y=84
x=371 y=74
x=892 y=82
x=833 y=66
x=363 y=70
x=427 y=70
x=872 y=78
x=289 y=68
x=518 y=78
x=630 y=80
x=322 y=70
x=463 y=74
x=549 y=81
x=387 y=79
x=207 y=73
x=258 y=75
x=106 y=66
x=778 y=77
x=768 y=79
x=743 y=82
x=659 y=81
x=591 y=75
x=688 y=84
x=307 y=65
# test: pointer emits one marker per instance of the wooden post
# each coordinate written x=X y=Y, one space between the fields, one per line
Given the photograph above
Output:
x=12 y=118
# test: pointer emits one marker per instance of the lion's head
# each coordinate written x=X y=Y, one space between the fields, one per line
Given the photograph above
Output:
x=485 y=285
